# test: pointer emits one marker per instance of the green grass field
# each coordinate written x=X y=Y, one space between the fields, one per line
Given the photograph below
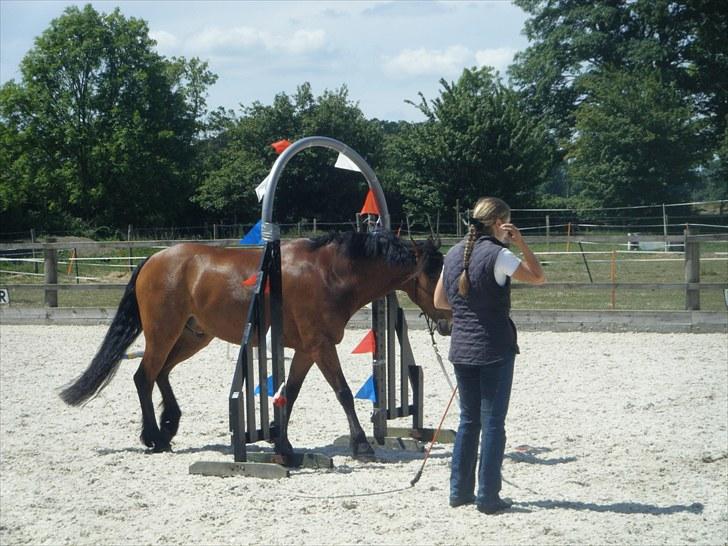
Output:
x=111 y=266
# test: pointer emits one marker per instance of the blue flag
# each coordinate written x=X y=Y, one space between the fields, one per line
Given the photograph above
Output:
x=253 y=237
x=368 y=390
x=271 y=392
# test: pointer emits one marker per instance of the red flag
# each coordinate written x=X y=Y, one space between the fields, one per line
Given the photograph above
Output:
x=370 y=205
x=280 y=145
x=366 y=345
x=279 y=399
x=251 y=281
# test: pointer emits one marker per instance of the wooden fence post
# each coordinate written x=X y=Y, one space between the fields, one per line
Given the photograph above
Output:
x=50 y=270
x=129 y=230
x=32 y=240
x=692 y=272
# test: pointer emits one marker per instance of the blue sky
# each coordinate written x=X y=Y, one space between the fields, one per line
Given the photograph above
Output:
x=385 y=52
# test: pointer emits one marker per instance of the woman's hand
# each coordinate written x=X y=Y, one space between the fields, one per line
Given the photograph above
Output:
x=513 y=234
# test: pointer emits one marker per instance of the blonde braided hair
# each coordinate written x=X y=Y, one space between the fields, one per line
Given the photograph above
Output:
x=486 y=211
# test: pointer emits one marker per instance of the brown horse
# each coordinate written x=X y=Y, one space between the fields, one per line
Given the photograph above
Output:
x=186 y=295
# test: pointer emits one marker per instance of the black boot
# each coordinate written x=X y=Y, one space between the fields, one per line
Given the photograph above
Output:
x=497 y=505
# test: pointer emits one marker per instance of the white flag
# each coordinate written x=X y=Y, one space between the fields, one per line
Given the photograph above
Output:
x=343 y=162
x=262 y=188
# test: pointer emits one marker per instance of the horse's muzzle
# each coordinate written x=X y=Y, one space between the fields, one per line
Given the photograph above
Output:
x=444 y=327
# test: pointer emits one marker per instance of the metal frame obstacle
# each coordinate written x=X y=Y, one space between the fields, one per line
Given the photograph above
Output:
x=249 y=420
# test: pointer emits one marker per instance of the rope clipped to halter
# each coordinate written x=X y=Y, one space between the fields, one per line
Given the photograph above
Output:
x=431 y=329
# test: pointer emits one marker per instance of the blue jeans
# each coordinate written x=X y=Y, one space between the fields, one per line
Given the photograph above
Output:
x=484 y=395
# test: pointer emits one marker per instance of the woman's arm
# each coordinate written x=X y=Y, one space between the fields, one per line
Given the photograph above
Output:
x=440 y=297
x=530 y=270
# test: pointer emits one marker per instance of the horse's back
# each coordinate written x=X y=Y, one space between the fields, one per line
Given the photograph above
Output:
x=192 y=280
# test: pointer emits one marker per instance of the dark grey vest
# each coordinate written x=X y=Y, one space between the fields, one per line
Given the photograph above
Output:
x=482 y=331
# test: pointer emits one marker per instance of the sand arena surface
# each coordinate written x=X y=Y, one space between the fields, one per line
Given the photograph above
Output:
x=612 y=439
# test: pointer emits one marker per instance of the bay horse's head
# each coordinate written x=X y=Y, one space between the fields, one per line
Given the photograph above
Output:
x=421 y=286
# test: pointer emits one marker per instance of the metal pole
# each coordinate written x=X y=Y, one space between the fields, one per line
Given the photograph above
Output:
x=50 y=270
x=583 y=256
x=32 y=240
x=664 y=227
x=548 y=232
x=692 y=272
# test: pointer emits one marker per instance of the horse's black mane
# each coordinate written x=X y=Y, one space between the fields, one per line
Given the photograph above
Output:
x=383 y=244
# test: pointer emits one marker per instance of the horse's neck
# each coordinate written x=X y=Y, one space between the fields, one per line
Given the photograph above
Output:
x=375 y=279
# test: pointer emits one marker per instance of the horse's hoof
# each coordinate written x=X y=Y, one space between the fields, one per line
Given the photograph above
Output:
x=364 y=452
x=283 y=460
x=159 y=448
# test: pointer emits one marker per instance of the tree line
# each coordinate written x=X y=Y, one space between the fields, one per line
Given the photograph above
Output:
x=613 y=103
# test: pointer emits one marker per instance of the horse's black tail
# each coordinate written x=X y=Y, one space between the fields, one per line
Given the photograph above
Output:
x=124 y=329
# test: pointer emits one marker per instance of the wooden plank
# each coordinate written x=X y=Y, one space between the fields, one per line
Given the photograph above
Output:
x=394 y=443
x=446 y=436
x=515 y=286
x=228 y=469
x=525 y=319
x=299 y=460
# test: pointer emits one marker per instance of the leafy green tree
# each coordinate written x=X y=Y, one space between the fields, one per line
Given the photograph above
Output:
x=635 y=141
x=476 y=141
x=310 y=185
x=683 y=40
x=100 y=130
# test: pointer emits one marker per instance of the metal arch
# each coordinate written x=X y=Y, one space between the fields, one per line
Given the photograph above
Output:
x=269 y=230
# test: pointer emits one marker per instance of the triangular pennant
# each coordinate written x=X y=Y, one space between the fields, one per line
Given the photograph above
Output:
x=271 y=392
x=366 y=345
x=343 y=162
x=370 y=205
x=251 y=281
x=368 y=390
x=280 y=145
x=254 y=236
x=261 y=188
x=279 y=398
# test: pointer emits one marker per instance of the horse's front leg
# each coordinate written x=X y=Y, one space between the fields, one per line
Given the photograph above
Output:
x=328 y=362
x=300 y=365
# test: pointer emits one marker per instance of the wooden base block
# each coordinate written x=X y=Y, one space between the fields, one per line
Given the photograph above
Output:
x=390 y=442
x=445 y=436
x=228 y=469
x=300 y=460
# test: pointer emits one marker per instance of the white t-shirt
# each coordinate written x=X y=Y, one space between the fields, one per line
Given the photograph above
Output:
x=505 y=265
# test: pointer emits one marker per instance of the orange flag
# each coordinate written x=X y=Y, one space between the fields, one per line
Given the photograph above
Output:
x=370 y=205
x=366 y=345
x=280 y=145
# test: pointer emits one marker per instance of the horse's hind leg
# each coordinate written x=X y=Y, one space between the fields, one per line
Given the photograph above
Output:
x=330 y=366
x=159 y=340
x=189 y=343
x=150 y=436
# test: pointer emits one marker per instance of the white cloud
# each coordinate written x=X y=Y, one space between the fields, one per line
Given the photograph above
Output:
x=165 y=40
x=231 y=40
x=498 y=57
x=434 y=62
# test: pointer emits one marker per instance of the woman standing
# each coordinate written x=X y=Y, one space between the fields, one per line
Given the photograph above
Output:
x=475 y=284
